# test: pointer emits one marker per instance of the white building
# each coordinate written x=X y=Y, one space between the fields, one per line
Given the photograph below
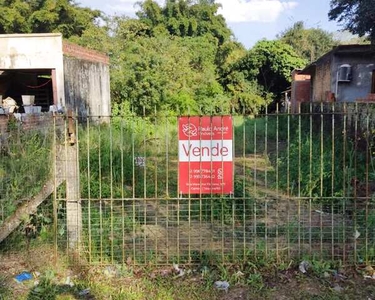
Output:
x=56 y=72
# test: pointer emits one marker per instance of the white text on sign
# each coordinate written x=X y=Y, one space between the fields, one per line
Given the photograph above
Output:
x=205 y=150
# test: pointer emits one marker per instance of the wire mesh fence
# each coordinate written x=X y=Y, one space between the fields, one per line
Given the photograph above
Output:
x=303 y=186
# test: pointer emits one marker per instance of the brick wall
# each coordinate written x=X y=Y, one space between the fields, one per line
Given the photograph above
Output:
x=29 y=122
x=301 y=86
x=70 y=49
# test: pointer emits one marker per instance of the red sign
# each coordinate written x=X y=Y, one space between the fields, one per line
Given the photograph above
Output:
x=205 y=155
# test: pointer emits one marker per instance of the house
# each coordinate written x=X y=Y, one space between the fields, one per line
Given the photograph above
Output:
x=56 y=72
x=345 y=74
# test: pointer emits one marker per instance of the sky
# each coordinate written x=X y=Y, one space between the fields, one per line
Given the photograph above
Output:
x=250 y=20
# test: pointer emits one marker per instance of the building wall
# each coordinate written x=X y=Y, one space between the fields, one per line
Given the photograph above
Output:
x=34 y=51
x=301 y=88
x=360 y=85
x=87 y=87
x=321 y=81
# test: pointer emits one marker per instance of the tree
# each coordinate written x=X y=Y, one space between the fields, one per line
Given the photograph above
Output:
x=184 y=18
x=41 y=16
x=308 y=43
x=168 y=74
x=270 y=63
x=357 y=16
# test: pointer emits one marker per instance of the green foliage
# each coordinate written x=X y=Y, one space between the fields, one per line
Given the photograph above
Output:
x=5 y=291
x=269 y=63
x=49 y=289
x=320 y=163
x=175 y=58
x=357 y=16
x=37 y=16
x=167 y=74
x=308 y=43
x=184 y=19
x=24 y=167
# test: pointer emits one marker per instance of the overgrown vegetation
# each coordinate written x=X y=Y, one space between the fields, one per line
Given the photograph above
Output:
x=276 y=155
x=25 y=165
x=181 y=58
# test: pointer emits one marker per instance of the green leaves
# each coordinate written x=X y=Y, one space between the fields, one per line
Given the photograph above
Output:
x=357 y=16
x=270 y=64
x=41 y=16
x=185 y=19
x=167 y=74
x=310 y=43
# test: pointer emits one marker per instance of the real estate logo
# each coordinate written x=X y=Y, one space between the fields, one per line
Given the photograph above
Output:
x=205 y=155
x=189 y=130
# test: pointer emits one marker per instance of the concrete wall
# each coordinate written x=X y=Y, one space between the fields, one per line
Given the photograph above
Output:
x=87 y=86
x=360 y=85
x=321 y=81
x=34 y=51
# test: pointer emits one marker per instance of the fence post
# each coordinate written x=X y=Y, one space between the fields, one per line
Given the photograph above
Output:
x=73 y=201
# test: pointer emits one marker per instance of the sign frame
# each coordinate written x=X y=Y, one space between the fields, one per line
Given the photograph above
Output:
x=205 y=155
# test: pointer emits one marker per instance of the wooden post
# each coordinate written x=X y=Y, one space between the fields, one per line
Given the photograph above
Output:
x=73 y=201
x=27 y=208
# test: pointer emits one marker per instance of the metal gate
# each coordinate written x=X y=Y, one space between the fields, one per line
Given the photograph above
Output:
x=303 y=186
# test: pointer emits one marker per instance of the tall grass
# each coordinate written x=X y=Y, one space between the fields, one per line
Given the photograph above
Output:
x=25 y=165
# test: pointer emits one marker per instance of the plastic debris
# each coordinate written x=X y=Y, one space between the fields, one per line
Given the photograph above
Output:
x=357 y=234
x=304 y=266
x=369 y=273
x=60 y=109
x=222 y=285
x=84 y=292
x=36 y=274
x=180 y=271
x=9 y=105
x=175 y=266
x=18 y=116
x=23 y=277
x=110 y=271
x=69 y=282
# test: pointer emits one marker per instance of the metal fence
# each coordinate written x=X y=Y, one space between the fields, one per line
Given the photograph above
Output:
x=303 y=187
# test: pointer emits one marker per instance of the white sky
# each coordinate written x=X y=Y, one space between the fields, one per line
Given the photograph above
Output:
x=250 y=20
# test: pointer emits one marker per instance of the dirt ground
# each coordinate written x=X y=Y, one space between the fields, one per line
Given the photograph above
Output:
x=59 y=280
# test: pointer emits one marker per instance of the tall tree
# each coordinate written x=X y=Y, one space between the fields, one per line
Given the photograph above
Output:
x=184 y=18
x=270 y=63
x=168 y=74
x=309 y=43
x=40 y=16
x=357 y=16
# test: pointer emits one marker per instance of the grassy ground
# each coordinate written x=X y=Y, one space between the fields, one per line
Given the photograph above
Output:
x=250 y=280
x=55 y=280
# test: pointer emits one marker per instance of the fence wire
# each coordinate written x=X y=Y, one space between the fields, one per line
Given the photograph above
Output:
x=303 y=187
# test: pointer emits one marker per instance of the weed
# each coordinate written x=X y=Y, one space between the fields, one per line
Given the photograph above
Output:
x=25 y=165
x=4 y=289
